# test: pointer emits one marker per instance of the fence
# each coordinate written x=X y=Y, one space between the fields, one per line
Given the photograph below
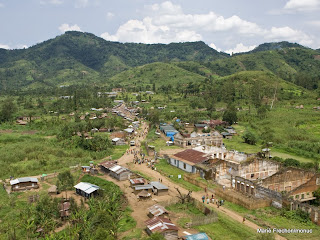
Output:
x=202 y=220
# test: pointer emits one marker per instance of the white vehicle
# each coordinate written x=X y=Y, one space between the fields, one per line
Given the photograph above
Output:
x=132 y=143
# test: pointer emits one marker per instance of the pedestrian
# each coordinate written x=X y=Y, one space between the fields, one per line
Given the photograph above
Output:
x=203 y=198
x=208 y=200
x=243 y=219
x=224 y=187
x=205 y=189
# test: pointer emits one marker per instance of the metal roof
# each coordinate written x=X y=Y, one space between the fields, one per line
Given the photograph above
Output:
x=159 y=224
x=158 y=185
x=157 y=210
x=137 y=181
x=198 y=236
x=142 y=187
x=191 y=156
x=24 y=179
x=86 y=187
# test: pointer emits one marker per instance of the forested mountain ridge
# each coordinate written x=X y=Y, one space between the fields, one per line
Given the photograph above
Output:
x=83 y=58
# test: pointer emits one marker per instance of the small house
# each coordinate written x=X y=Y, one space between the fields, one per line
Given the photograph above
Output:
x=25 y=183
x=187 y=159
x=162 y=225
x=159 y=189
x=118 y=141
x=129 y=130
x=86 y=189
x=85 y=169
x=105 y=166
x=137 y=182
x=144 y=195
x=64 y=210
x=137 y=189
x=120 y=173
x=53 y=190
x=157 y=211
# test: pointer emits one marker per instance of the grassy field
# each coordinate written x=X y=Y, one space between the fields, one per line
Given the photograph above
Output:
x=167 y=169
x=273 y=218
x=228 y=229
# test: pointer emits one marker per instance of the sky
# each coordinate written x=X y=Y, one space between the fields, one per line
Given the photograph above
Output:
x=229 y=25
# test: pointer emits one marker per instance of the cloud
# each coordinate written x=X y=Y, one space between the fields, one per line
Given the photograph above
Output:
x=81 y=3
x=212 y=45
x=146 y=32
x=66 y=27
x=302 y=5
x=53 y=2
x=167 y=22
x=4 y=46
x=240 y=48
x=110 y=15
x=289 y=34
x=1 y=5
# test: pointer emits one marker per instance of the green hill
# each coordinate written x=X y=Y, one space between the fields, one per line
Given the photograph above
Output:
x=158 y=73
x=60 y=60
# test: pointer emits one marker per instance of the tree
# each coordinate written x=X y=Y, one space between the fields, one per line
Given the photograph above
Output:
x=290 y=162
x=230 y=115
x=249 y=138
x=7 y=110
x=316 y=194
x=65 y=181
x=262 y=111
x=184 y=197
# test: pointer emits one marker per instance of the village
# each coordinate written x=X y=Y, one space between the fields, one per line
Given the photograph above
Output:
x=252 y=181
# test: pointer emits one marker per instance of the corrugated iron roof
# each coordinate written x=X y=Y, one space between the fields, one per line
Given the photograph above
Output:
x=137 y=181
x=160 y=224
x=158 y=185
x=142 y=187
x=86 y=187
x=191 y=155
x=22 y=180
x=157 y=210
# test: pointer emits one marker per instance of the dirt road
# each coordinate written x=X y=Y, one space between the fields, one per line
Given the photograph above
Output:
x=126 y=159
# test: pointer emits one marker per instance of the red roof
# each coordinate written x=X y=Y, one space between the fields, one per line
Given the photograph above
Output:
x=160 y=224
x=191 y=155
x=138 y=181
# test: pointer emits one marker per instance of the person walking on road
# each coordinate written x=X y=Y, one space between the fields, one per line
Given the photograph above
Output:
x=203 y=198
x=244 y=219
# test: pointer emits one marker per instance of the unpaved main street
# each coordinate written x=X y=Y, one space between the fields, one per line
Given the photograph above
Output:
x=127 y=159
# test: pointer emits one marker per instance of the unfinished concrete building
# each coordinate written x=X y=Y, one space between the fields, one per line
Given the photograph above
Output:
x=195 y=139
x=287 y=179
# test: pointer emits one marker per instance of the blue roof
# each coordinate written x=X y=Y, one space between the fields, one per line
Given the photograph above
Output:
x=198 y=236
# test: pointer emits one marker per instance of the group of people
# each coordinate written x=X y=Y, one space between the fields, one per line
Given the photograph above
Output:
x=217 y=201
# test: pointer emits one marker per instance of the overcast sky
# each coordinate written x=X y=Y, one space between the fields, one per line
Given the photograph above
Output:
x=229 y=25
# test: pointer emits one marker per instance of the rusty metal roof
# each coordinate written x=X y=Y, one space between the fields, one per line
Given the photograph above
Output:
x=191 y=156
x=157 y=210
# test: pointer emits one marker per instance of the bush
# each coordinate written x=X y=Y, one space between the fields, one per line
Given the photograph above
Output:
x=290 y=162
x=249 y=138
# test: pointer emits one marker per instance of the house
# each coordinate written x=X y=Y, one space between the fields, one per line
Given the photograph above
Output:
x=157 y=211
x=53 y=190
x=120 y=173
x=187 y=159
x=231 y=130
x=129 y=130
x=195 y=139
x=214 y=123
x=105 y=166
x=197 y=236
x=118 y=141
x=163 y=226
x=137 y=182
x=85 y=169
x=304 y=192
x=159 y=189
x=64 y=210
x=287 y=179
x=138 y=188
x=168 y=130
x=25 y=183
x=226 y=135
x=144 y=194
x=201 y=125
x=86 y=189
